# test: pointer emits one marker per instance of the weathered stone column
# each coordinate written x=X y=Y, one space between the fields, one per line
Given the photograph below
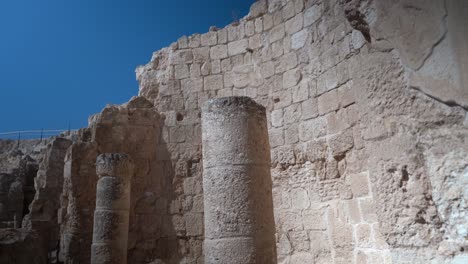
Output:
x=239 y=222
x=110 y=232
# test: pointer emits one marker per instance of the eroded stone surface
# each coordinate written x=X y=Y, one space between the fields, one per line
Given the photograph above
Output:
x=111 y=216
x=239 y=222
x=366 y=113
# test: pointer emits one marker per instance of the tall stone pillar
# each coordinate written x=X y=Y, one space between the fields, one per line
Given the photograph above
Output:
x=239 y=222
x=110 y=232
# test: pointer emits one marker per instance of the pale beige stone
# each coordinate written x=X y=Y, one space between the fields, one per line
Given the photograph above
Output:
x=255 y=42
x=300 y=91
x=258 y=8
x=298 y=6
x=300 y=199
x=258 y=25
x=218 y=52
x=328 y=102
x=249 y=28
x=277 y=118
x=209 y=39
x=394 y=96
x=359 y=184
x=312 y=129
x=291 y=135
x=194 y=224
x=194 y=41
x=277 y=49
x=267 y=22
x=181 y=57
x=195 y=70
x=292 y=114
x=222 y=36
x=341 y=143
x=286 y=62
x=214 y=82
x=314 y=219
x=226 y=65
x=206 y=68
x=238 y=47
x=363 y=235
x=247 y=236
x=216 y=66
x=353 y=211
x=276 y=137
x=300 y=240
x=361 y=258
x=201 y=55
x=328 y=81
x=181 y=71
x=277 y=33
x=291 y=78
x=111 y=217
x=192 y=85
x=235 y=31
x=368 y=210
x=298 y=40
x=182 y=42
x=309 y=108
x=294 y=24
x=282 y=99
x=312 y=14
x=337 y=121
x=289 y=10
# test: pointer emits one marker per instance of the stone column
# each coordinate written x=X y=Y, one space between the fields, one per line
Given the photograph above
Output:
x=239 y=222
x=111 y=217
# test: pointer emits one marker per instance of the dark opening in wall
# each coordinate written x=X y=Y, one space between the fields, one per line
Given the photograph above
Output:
x=29 y=191
x=179 y=117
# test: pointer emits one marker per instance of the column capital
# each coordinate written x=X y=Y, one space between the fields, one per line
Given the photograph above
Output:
x=114 y=164
x=233 y=103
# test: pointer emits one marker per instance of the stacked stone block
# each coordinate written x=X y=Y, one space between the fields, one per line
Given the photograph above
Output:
x=239 y=222
x=111 y=216
x=331 y=97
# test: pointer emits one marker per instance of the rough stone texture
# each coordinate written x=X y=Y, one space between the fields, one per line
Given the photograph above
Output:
x=132 y=128
x=18 y=168
x=239 y=222
x=110 y=231
x=366 y=109
x=77 y=206
x=48 y=183
x=21 y=246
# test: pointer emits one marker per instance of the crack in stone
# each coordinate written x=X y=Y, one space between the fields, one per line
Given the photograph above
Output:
x=436 y=43
x=449 y=103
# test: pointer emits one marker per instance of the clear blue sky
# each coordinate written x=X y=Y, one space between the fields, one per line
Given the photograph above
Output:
x=63 y=60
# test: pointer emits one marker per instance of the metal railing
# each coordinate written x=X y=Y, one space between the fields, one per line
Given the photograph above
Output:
x=33 y=134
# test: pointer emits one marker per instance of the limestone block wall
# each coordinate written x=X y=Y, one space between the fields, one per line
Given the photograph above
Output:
x=18 y=167
x=132 y=128
x=48 y=184
x=368 y=156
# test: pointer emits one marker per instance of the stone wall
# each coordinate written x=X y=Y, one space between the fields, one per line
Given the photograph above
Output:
x=366 y=104
x=48 y=184
x=367 y=124
x=132 y=128
x=18 y=167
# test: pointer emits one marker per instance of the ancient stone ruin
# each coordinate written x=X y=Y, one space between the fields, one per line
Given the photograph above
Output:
x=110 y=231
x=239 y=221
x=309 y=131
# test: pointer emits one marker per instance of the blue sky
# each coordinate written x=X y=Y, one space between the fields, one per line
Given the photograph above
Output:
x=63 y=60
